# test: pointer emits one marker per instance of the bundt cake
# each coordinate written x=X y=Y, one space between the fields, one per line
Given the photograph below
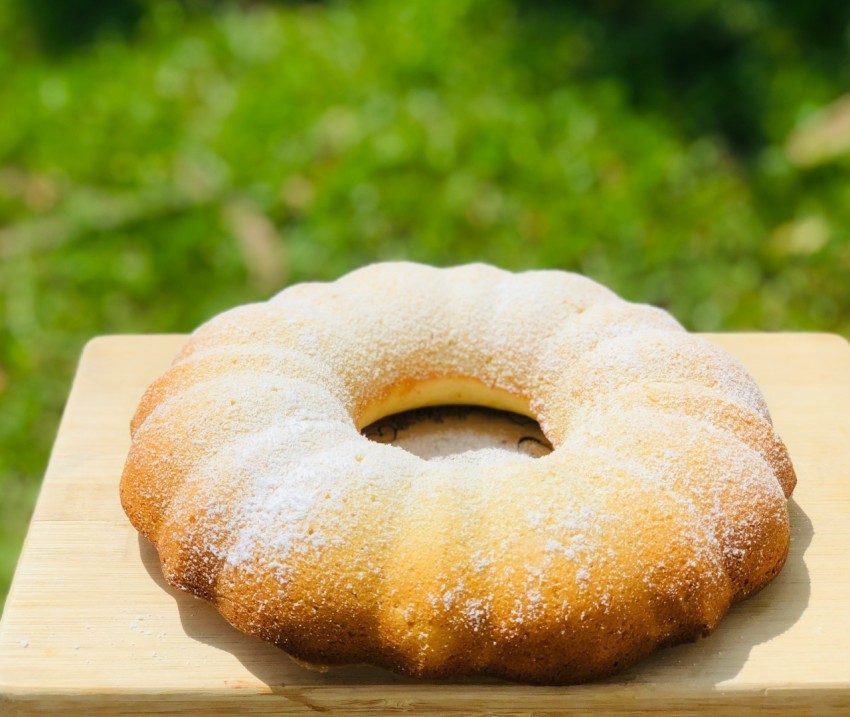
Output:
x=662 y=503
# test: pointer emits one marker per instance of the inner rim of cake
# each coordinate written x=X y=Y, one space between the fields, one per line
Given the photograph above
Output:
x=413 y=393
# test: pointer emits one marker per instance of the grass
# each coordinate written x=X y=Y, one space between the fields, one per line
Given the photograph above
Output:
x=685 y=157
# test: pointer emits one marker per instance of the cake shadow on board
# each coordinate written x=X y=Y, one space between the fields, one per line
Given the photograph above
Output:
x=721 y=656
x=759 y=619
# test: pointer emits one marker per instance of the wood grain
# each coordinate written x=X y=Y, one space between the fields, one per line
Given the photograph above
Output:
x=90 y=626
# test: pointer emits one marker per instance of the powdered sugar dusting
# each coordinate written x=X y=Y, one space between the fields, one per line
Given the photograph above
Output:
x=662 y=502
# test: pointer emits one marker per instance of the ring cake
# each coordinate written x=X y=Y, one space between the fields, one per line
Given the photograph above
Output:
x=662 y=503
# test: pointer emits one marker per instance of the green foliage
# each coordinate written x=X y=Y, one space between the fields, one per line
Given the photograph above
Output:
x=223 y=152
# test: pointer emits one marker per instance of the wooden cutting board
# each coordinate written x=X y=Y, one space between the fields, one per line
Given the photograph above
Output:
x=91 y=627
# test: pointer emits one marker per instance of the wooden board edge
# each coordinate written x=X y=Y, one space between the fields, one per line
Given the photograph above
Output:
x=429 y=699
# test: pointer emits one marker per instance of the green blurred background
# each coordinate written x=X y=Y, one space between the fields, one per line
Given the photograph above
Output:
x=161 y=161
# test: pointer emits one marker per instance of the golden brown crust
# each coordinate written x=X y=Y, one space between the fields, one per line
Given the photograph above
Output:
x=662 y=503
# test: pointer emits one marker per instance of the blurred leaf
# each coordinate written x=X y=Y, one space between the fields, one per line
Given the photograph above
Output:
x=823 y=137
x=259 y=244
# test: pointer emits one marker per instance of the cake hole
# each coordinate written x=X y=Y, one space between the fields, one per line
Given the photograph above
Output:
x=442 y=431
